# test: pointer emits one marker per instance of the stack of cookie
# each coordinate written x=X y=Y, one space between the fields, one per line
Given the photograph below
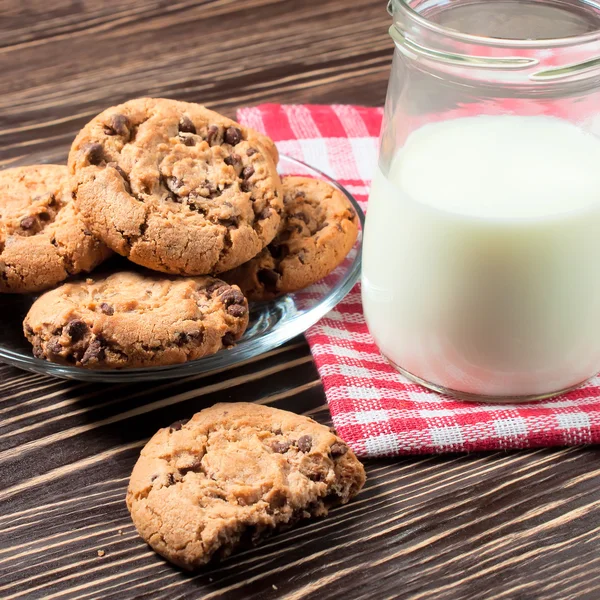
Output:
x=180 y=190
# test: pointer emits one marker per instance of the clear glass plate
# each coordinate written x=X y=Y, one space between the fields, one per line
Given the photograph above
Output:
x=271 y=323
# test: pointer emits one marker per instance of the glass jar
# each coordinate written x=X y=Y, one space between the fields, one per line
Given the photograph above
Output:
x=481 y=257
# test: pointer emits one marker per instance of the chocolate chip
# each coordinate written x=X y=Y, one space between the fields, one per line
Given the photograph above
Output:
x=265 y=213
x=302 y=216
x=245 y=186
x=233 y=160
x=251 y=151
x=211 y=134
x=338 y=449
x=117 y=125
x=188 y=140
x=233 y=136
x=231 y=222
x=278 y=251
x=339 y=227
x=170 y=479
x=94 y=352
x=228 y=339
x=173 y=183
x=281 y=446
x=182 y=339
x=231 y=296
x=247 y=172
x=54 y=347
x=186 y=337
x=28 y=223
x=76 y=329
x=207 y=190
x=304 y=443
x=122 y=174
x=177 y=425
x=107 y=309
x=93 y=153
x=186 y=125
x=38 y=351
x=236 y=310
x=268 y=278
x=194 y=465
x=44 y=216
x=214 y=287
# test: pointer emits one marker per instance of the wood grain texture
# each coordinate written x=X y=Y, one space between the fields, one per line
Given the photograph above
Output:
x=520 y=525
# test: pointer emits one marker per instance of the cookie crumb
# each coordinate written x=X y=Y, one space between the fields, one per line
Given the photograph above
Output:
x=274 y=587
x=101 y=553
x=120 y=532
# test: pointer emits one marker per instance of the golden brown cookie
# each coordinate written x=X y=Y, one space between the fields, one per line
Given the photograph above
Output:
x=233 y=475
x=318 y=229
x=176 y=187
x=42 y=240
x=134 y=320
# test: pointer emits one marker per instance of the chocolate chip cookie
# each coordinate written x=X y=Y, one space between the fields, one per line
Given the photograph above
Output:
x=176 y=187
x=42 y=240
x=134 y=320
x=319 y=228
x=233 y=475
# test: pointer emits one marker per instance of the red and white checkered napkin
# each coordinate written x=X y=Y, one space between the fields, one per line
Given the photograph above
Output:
x=376 y=410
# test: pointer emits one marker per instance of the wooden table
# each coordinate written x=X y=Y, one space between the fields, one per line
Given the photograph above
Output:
x=518 y=525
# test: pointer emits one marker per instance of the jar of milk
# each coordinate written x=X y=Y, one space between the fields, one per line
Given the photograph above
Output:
x=481 y=272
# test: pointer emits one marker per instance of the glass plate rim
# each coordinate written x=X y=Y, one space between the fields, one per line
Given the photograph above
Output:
x=238 y=354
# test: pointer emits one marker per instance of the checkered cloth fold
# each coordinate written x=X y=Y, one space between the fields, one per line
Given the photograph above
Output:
x=374 y=409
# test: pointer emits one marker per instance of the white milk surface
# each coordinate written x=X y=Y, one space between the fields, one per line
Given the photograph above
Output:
x=481 y=266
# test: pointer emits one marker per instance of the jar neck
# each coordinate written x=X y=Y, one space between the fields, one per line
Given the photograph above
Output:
x=457 y=39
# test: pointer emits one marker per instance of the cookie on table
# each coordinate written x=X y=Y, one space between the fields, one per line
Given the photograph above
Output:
x=234 y=474
x=134 y=320
x=42 y=239
x=176 y=187
x=319 y=228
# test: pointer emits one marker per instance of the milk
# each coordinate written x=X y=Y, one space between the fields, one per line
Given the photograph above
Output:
x=481 y=265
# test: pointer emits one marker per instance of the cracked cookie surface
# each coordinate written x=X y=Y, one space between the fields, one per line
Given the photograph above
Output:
x=132 y=320
x=42 y=239
x=176 y=187
x=318 y=229
x=234 y=474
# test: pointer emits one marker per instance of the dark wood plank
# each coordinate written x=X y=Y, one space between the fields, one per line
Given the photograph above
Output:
x=62 y=65
x=506 y=525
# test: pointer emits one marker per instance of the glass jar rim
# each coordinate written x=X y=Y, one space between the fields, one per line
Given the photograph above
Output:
x=404 y=7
